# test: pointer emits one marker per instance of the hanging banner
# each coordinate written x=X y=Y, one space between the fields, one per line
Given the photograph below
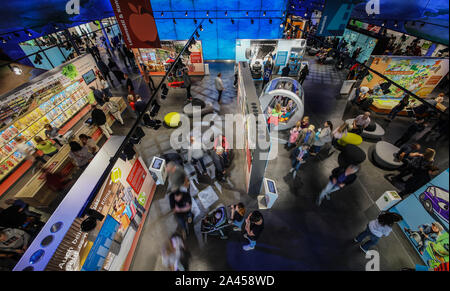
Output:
x=335 y=17
x=136 y=22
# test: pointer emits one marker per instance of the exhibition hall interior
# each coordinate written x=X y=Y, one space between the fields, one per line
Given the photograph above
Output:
x=207 y=135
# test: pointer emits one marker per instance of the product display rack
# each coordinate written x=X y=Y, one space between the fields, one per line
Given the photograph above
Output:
x=57 y=110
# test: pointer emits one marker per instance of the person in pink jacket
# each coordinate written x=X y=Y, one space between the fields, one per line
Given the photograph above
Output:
x=295 y=131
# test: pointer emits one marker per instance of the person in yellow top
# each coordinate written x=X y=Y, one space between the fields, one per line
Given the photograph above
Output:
x=46 y=146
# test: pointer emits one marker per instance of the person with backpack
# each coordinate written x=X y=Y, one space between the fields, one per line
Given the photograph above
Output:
x=114 y=109
x=99 y=119
x=376 y=229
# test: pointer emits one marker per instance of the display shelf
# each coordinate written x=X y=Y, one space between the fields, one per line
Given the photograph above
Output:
x=70 y=103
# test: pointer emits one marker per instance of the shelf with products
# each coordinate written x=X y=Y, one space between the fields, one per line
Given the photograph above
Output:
x=58 y=114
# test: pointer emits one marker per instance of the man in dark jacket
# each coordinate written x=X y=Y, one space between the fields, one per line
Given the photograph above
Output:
x=139 y=105
x=340 y=177
x=98 y=95
x=417 y=126
x=105 y=71
x=99 y=119
x=187 y=84
x=285 y=71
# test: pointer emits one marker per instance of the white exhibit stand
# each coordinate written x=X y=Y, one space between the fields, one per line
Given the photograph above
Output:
x=206 y=69
x=270 y=195
x=158 y=167
x=347 y=86
x=387 y=200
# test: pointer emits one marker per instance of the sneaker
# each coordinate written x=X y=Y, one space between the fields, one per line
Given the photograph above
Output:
x=328 y=197
x=294 y=174
x=247 y=248
x=245 y=235
x=236 y=229
x=355 y=240
x=362 y=249
x=291 y=170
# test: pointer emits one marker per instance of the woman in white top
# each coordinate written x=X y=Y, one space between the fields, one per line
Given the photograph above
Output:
x=323 y=137
x=377 y=228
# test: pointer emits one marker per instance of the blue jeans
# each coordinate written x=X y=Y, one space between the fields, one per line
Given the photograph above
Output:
x=394 y=113
x=238 y=223
x=296 y=164
x=316 y=149
x=371 y=242
x=326 y=191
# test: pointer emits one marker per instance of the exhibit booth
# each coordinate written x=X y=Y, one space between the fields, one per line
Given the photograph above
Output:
x=289 y=94
x=428 y=205
x=158 y=60
x=60 y=97
x=275 y=54
x=96 y=230
x=419 y=75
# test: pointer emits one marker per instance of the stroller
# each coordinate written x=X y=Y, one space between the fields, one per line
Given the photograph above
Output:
x=215 y=224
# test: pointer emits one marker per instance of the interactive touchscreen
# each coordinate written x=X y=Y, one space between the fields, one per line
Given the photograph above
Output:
x=157 y=164
x=89 y=77
x=271 y=186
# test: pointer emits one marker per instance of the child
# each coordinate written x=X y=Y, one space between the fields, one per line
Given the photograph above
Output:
x=299 y=158
x=294 y=135
x=237 y=215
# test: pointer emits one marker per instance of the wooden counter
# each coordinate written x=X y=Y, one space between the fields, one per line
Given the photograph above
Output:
x=34 y=192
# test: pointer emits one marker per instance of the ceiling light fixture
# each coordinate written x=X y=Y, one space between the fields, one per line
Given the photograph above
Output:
x=16 y=34
x=226 y=13
x=162 y=13
x=246 y=13
x=174 y=21
x=270 y=21
x=185 y=14
x=201 y=27
x=197 y=34
x=252 y=21
x=195 y=21
x=264 y=14
x=210 y=21
x=396 y=23
x=232 y=21
x=207 y=13
x=3 y=40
